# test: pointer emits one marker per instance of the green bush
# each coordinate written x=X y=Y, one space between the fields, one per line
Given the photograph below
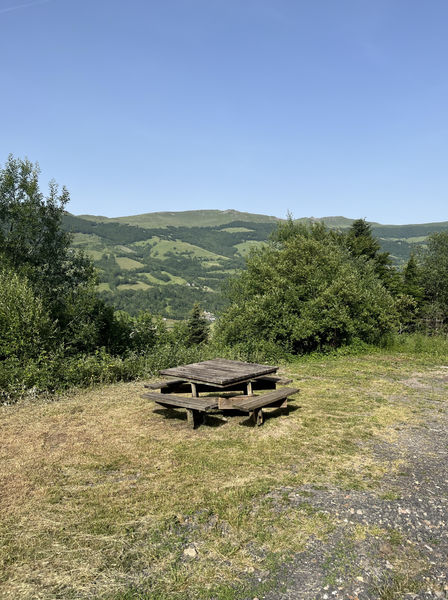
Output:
x=25 y=327
x=306 y=293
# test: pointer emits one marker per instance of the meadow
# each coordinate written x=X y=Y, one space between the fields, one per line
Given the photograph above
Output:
x=101 y=496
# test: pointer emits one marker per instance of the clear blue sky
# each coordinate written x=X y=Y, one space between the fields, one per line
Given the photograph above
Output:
x=322 y=107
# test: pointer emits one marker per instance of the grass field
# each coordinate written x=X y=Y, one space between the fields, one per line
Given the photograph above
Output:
x=163 y=247
x=139 y=285
x=103 y=497
x=128 y=264
x=245 y=247
x=236 y=229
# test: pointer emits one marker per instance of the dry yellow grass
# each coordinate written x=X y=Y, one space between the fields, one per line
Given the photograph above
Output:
x=100 y=494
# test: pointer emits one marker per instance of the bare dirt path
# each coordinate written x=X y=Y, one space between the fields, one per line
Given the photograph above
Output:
x=389 y=543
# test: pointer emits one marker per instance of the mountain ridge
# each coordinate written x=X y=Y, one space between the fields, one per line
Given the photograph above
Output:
x=166 y=261
x=235 y=215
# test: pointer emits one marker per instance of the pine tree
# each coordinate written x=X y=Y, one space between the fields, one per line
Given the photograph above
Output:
x=198 y=328
x=412 y=279
x=361 y=243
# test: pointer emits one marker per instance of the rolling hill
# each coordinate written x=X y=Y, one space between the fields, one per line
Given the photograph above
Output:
x=166 y=261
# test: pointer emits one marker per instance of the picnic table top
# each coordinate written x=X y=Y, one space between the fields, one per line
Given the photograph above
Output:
x=219 y=371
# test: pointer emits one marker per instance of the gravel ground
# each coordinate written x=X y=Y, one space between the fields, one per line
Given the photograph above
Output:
x=388 y=543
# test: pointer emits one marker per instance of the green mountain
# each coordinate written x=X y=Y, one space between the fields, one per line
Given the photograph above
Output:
x=186 y=218
x=166 y=261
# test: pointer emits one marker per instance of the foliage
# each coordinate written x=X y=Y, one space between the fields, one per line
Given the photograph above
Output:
x=55 y=331
x=412 y=279
x=305 y=291
x=173 y=301
x=31 y=236
x=435 y=271
x=162 y=281
x=310 y=289
x=410 y=297
x=25 y=327
x=363 y=245
x=198 y=327
x=418 y=343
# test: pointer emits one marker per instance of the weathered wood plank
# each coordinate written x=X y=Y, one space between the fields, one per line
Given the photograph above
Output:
x=202 y=404
x=219 y=372
x=251 y=404
x=181 y=386
x=158 y=385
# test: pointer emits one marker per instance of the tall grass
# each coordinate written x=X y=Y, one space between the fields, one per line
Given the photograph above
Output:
x=418 y=343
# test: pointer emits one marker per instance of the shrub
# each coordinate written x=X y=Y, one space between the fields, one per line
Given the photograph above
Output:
x=25 y=327
x=306 y=293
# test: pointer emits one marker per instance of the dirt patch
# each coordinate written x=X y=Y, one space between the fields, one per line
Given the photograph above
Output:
x=389 y=543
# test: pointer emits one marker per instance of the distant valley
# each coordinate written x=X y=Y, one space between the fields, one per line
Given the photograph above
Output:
x=166 y=261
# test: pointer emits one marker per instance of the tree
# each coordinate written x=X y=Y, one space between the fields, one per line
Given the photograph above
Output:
x=32 y=240
x=291 y=229
x=412 y=279
x=362 y=244
x=435 y=275
x=34 y=244
x=198 y=327
x=25 y=327
x=304 y=293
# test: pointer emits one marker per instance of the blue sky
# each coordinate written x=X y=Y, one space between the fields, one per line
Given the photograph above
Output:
x=320 y=107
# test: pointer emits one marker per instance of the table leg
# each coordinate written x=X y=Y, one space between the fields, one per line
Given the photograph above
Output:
x=257 y=416
x=194 y=418
x=249 y=388
x=194 y=391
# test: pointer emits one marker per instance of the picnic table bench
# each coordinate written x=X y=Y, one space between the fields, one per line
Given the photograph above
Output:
x=254 y=405
x=225 y=377
x=181 y=386
x=196 y=407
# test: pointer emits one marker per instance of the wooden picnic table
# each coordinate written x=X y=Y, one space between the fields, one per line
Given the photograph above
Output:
x=220 y=373
x=220 y=376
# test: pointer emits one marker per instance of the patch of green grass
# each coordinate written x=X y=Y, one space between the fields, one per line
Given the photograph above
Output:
x=236 y=229
x=128 y=264
x=175 y=279
x=87 y=239
x=103 y=287
x=395 y=537
x=390 y=495
x=126 y=249
x=419 y=344
x=138 y=285
x=164 y=247
x=416 y=238
x=341 y=563
x=396 y=586
x=245 y=247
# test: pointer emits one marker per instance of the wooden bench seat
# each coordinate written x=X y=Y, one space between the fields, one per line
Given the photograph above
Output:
x=254 y=405
x=268 y=382
x=195 y=407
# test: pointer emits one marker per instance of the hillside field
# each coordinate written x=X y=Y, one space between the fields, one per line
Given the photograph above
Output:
x=164 y=262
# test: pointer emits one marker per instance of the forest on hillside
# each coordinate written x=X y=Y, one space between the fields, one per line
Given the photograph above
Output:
x=166 y=268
